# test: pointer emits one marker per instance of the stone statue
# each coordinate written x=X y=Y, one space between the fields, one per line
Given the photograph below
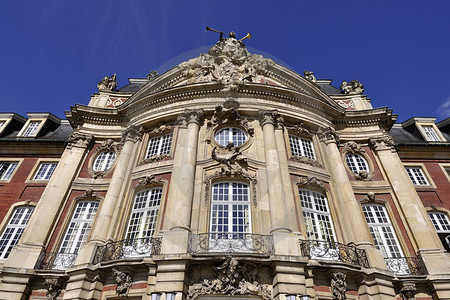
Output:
x=310 y=76
x=152 y=75
x=228 y=159
x=107 y=83
x=338 y=286
x=53 y=288
x=124 y=282
x=352 y=87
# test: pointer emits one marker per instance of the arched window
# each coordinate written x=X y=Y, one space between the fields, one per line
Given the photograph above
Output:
x=442 y=225
x=356 y=163
x=228 y=135
x=316 y=215
x=301 y=146
x=13 y=231
x=104 y=161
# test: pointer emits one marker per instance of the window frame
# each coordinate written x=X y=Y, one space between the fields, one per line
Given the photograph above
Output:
x=438 y=224
x=231 y=136
x=105 y=167
x=160 y=146
x=422 y=125
x=365 y=160
x=37 y=164
x=425 y=173
x=301 y=146
x=40 y=165
x=11 y=173
x=27 y=125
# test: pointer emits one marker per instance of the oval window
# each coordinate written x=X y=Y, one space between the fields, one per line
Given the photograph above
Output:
x=228 y=135
x=104 y=161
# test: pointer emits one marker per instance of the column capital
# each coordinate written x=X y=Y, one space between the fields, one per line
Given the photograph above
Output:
x=79 y=140
x=270 y=116
x=328 y=135
x=133 y=133
x=380 y=143
x=190 y=115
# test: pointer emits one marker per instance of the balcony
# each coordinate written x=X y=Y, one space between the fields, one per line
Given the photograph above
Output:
x=55 y=261
x=136 y=248
x=333 y=251
x=406 y=266
x=230 y=243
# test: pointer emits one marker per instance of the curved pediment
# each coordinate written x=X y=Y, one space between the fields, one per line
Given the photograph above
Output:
x=231 y=67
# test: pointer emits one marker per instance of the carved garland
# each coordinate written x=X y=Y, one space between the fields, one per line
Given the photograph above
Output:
x=106 y=146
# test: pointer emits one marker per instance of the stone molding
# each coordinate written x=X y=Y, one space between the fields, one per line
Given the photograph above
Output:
x=384 y=142
x=124 y=282
x=133 y=133
x=328 y=135
x=338 y=286
x=79 y=140
x=54 y=288
x=311 y=182
x=190 y=115
x=272 y=116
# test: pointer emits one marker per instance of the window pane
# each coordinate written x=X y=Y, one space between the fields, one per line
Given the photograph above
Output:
x=6 y=170
x=104 y=161
x=159 y=145
x=45 y=171
x=31 y=129
x=301 y=147
x=416 y=175
x=431 y=134
x=13 y=231
x=230 y=135
x=356 y=163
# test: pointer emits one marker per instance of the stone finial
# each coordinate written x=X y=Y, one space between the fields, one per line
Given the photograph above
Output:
x=328 y=135
x=338 y=286
x=124 y=282
x=133 y=133
x=53 y=288
x=310 y=76
x=80 y=140
x=194 y=115
x=107 y=84
x=267 y=116
x=152 y=75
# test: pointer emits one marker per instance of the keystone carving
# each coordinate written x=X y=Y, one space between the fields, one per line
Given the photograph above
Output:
x=229 y=159
x=152 y=179
x=90 y=194
x=231 y=278
x=190 y=116
x=382 y=143
x=107 y=83
x=299 y=129
x=352 y=87
x=53 y=288
x=310 y=76
x=353 y=147
x=338 y=286
x=311 y=181
x=132 y=133
x=79 y=140
x=124 y=282
x=228 y=63
x=371 y=197
x=228 y=114
x=328 y=135
x=270 y=117
x=363 y=175
x=161 y=128
x=407 y=291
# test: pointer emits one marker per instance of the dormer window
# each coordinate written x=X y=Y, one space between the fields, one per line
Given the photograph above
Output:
x=2 y=123
x=31 y=129
x=431 y=133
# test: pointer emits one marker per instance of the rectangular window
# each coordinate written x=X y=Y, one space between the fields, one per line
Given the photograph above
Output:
x=440 y=221
x=13 y=231
x=6 y=169
x=159 y=145
x=45 y=171
x=431 y=133
x=301 y=146
x=416 y=175
x=31 y=129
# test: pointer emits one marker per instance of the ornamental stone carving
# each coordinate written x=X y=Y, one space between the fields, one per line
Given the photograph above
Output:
x=79 y=140
x=124 y=282
x=310 y=76
x=106 y=146
x=363 y=175
x=231 y=278
x=228 y=63
x=270 y=117
x=152 y=179
x=311 y=181
x=352 y=87
x=152 y=75
x=53 y=288
x=107 y=84
x=353 y=147
x=90 y=194
x=233 y=157
x=228 y=114
x=407 y=291
x=306 y=160
x=132 y=133
x=190 y=116
x=328 y=135
x=338 y=286
x=161 y=128
x=371 y=197
x=299 y=129
x=382 y=143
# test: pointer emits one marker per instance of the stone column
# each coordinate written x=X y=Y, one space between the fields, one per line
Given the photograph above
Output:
x=349 y=210
x=25 y=255
x=410 y=205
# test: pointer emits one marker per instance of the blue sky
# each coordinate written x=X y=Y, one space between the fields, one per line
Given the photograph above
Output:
x=53 y=53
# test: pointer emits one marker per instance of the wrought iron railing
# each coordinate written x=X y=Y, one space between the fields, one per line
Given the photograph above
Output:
x=55 y=261
x=239 y=243
x=143 y=247
x=333 y=251
x=406 y=265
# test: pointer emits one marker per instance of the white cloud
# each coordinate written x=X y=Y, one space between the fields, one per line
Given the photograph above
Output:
x=444 y=109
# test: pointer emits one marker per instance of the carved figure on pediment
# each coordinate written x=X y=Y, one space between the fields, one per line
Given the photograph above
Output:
x=338 y=286
x=152 y=179
x=124 y=282
x=108 y=83
x=229 y=159
x=352 y=87
x=90 y=194
x=299 y=129
x=107 y=145
x=310 y=76
x=161 y=128
x=53 y=288
x=353 y=147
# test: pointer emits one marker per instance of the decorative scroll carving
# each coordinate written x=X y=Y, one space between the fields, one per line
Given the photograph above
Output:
x=352 y=87
x=228 y=114
x=311 y=181
x=353 y=147
x=53 y=288
x=267 y=116
x=161 y=128
x=79 y=140
x=228 y=63
x=132 y=133
x=382 y=143
x=310 y=76
x=107 y=83
x=190 y=116
x=299 y=129
x=90 y=194
x=306 y=160
x=338 y=286
x=152 y=179
x=407 y=291
x=230 y=159
x=231 y=278
x=124 y=282
x=328 y=135
x=227 y=173
x=152 y=75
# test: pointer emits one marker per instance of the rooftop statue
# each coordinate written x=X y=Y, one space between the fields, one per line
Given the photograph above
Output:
x=107 y=83
x=352 y=87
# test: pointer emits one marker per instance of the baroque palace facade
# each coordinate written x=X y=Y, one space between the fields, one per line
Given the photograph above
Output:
x=228 y=176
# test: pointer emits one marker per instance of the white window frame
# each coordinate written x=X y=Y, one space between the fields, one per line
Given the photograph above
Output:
x=227 y=135
x=104 y=161
x=301 y=146
x=14 y=229
x=380 y=227
x=415 y=173
x=430 y=133
x=356 y=166
x=45 y=171
x=31 y=128
x=9 y=171
x=163 y=145
x=440 y=221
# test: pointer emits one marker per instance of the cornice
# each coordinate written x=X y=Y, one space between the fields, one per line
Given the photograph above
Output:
x=377 y=116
